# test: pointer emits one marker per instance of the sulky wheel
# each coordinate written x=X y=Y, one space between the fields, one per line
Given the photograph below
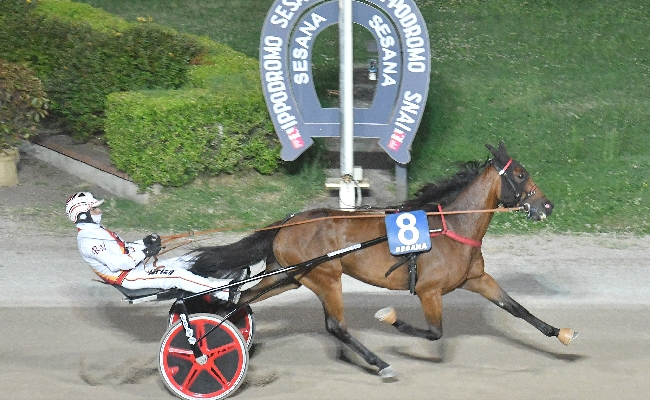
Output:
x=244 y=321
x=227 y=359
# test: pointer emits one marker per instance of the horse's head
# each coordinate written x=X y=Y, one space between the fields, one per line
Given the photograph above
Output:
x=517 y=187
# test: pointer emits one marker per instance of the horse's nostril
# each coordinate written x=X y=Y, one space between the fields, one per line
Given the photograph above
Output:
x=548 y=207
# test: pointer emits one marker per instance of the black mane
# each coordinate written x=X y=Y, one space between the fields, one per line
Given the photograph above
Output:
x=259 y=246
x=429 y=196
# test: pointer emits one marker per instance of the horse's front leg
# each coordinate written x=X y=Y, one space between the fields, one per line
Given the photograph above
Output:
x=486 y=286
x=431 y=305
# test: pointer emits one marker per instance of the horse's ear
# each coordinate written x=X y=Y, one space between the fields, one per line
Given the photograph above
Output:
x=492 y=150
x=502 y=149
x=501 y=154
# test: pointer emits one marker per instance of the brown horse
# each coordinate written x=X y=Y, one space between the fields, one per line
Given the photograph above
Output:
x=455 y=260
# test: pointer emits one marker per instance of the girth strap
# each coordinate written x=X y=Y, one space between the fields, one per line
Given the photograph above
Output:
x=412 y=270
x=395 y=266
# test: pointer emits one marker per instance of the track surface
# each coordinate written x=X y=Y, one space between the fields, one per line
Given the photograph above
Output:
x=68 y=337
x=84 y=343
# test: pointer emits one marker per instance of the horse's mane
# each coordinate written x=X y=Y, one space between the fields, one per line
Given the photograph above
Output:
x=443 y=192
x=259 y=245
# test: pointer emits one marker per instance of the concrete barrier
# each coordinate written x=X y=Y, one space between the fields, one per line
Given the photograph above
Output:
x=118 y=185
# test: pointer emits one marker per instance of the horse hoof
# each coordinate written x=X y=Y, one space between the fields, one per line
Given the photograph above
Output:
x=387 y=373
x=386 y=315
x=566 y=335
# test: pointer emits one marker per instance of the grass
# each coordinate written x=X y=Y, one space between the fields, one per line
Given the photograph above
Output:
x=563 y=84
x=209 y=203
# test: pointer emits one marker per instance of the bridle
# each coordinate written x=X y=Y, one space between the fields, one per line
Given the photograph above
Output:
x=512 y=194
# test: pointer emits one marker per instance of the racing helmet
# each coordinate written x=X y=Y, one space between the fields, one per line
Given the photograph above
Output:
x=79 y=203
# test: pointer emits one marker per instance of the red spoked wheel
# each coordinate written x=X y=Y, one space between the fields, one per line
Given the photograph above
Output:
x=227 y=359
x=242 y=319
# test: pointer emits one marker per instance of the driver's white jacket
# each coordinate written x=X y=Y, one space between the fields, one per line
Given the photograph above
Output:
x=121 y=263
x=106 y=253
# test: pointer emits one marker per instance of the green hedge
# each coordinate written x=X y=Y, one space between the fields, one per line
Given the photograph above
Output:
x=168 y=137
x=217 y=123
x=82 y=54
x=105 y=75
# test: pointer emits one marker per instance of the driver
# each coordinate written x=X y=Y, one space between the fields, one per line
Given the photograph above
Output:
x=130 y=264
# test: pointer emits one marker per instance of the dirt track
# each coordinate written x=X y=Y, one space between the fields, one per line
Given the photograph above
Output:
x=109 y=352
x=67 y=337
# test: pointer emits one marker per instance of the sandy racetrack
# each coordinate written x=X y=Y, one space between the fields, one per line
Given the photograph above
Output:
x=68 y=337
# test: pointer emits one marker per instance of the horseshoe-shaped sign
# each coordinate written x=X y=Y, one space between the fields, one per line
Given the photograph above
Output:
x=404 y=68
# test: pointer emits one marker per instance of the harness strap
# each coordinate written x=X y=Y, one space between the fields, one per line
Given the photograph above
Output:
x=412 y=270
x=505 y=167
x=395 y=266
x=453 y=235
x=118 y=239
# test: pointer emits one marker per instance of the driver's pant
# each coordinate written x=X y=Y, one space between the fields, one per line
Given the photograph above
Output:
x=172 y=273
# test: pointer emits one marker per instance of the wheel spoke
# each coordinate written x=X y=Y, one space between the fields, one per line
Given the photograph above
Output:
x=199 y=328
x=183 y=354
x=191 y=376
x=214 y=371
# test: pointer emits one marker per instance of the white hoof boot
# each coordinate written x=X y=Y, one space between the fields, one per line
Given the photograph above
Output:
x=387 y=373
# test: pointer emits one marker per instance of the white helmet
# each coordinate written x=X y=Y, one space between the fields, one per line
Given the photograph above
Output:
x=80 y=203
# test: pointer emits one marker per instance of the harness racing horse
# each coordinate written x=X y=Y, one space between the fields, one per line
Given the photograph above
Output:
x=454 y=261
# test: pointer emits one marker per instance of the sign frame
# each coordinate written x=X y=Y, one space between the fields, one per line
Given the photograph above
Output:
x=287 y=79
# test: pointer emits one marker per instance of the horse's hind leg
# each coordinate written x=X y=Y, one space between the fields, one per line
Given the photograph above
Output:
x=339 y=331
x=486 y=286
x=329 y=290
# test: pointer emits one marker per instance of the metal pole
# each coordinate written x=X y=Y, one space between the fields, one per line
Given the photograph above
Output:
x=346 y=82
x=401 y=183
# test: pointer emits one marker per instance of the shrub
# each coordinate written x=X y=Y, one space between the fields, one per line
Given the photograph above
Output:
x=218 y=123
x=169 y=137
x=23 y=104
x=83 y=54
x=105 y=74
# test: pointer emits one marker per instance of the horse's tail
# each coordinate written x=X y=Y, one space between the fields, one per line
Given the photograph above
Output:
x=249 y=250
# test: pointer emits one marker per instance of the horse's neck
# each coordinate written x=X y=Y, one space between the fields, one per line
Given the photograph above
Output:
x=481 y=194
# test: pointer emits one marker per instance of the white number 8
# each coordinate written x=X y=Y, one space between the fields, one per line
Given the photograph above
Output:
x=406 y=223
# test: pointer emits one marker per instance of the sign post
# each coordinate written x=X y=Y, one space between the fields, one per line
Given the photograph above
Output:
x=346 y=101
x=403 y=72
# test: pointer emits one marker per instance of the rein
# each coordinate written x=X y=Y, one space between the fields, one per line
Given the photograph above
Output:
x=382 y=215
x=368 y=215
x=445 y=231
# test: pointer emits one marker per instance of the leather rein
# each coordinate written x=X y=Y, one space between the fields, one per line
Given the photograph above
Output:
x=376 y=214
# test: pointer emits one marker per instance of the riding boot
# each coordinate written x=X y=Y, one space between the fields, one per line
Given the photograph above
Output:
x=235 y=292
